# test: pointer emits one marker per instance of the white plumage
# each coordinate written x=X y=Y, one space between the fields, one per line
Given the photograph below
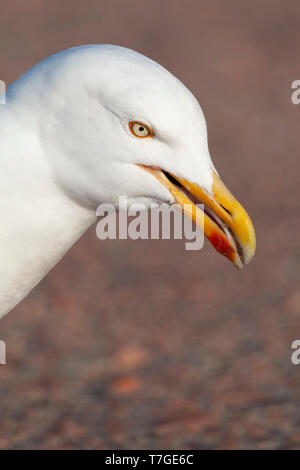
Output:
x=65 y=147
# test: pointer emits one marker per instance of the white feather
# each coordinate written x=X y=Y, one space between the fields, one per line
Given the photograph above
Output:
x=65 y=147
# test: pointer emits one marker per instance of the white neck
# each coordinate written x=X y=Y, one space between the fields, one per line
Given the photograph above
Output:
x=38 y=221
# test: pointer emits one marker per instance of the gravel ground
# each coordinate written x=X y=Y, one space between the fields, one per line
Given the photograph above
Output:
x=131 y=345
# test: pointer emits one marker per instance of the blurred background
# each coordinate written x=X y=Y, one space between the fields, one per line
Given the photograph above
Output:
x=141 y=344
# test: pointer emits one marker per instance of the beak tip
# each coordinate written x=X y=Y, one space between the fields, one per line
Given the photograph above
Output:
x=238 y=264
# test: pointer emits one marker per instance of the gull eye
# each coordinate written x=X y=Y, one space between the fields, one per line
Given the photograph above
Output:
x=139 y=129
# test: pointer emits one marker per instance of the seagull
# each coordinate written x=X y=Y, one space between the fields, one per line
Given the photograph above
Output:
x=86 y=126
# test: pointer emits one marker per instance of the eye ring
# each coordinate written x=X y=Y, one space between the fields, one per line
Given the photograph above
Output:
x=140 y=130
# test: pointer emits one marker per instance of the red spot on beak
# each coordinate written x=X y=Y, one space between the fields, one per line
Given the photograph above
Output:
x=222 y=245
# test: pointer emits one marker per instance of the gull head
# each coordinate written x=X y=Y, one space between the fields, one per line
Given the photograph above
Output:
x=112 y=122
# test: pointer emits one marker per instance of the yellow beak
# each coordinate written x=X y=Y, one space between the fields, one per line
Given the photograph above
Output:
x=226 y=224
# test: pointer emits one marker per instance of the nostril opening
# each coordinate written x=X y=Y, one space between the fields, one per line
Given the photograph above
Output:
x=226 y=210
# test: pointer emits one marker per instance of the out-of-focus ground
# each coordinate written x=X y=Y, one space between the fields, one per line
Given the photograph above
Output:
x=143 y=344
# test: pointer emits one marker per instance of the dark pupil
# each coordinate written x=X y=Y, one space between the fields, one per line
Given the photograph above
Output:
x=141 y=129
